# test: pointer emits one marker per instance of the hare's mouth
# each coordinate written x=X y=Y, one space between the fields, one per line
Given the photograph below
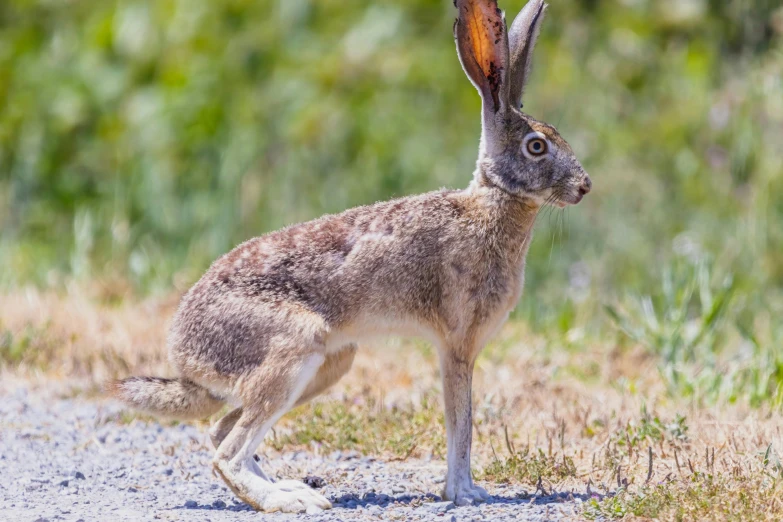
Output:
x=573 y=197
x=564 y=200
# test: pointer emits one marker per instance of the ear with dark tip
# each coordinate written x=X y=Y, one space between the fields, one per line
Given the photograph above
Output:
x=521 y=40
x=482 y=45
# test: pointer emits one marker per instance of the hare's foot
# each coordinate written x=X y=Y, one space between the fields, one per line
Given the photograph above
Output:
x=294 y=500
x=288 y=496
x=245 y=482
x=240 y=433
x=465 y=493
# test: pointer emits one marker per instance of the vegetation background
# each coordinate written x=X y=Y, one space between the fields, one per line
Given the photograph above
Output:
x=140 y=140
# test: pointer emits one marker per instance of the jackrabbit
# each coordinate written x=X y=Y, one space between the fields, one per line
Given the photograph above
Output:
x=276 y=321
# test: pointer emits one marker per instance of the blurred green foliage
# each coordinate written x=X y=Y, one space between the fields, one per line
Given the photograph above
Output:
x=139 y=139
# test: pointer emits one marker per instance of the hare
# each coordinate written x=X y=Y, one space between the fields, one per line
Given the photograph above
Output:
x=276 y=321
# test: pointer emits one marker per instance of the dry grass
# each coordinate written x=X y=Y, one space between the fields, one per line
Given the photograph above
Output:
x=77 y=335
x=593 y=419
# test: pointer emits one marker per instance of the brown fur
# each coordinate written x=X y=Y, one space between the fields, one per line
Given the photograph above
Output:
x=179 y=398
x=274 y=322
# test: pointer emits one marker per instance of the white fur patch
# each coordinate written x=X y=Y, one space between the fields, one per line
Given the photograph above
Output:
x=366 y=329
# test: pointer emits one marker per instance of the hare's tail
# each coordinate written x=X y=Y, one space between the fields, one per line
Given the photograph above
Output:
x=175 y=398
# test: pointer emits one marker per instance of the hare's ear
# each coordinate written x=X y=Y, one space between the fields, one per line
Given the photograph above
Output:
x=522 y=39
x=482 y=44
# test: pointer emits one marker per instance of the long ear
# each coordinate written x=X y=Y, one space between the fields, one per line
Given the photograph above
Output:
x=522 y=39
x=482 y=45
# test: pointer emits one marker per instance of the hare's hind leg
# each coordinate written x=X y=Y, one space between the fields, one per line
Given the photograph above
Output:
x=220 y=431
x=223 y=427
x=334 y=367
x=267 y=394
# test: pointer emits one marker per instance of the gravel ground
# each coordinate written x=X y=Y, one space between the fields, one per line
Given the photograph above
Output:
x=70 y=459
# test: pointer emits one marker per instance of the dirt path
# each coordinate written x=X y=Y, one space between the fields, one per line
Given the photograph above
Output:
x=72 y=459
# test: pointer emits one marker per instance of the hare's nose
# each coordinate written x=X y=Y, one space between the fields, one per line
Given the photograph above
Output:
x=585 y=186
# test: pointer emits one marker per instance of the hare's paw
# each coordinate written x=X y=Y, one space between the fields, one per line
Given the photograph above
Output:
x=295 y=501
x=466 y=494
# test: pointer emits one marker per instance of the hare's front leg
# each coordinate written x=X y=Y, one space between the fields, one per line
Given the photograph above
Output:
x=457 y=377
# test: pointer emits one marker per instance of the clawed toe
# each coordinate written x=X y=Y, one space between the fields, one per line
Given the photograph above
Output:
x=469 y=495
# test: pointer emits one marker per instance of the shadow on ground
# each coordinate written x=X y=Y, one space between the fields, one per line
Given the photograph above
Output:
x=352 y=501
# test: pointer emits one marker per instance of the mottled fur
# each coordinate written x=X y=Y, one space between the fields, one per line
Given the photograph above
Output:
x=180 y=398
x=275 y=321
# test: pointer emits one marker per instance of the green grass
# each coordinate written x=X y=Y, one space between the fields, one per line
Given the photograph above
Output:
x=705 y=332
x=738 y=488
x=537 y=466
x=530 y=466
x=648 y=430
x=32 y=346
x=701 y=497
x=363 y=424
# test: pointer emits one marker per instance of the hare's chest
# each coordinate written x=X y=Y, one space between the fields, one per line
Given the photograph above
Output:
x=513 y=280
x=497 y=291
x=517 y=284
x=501 y=296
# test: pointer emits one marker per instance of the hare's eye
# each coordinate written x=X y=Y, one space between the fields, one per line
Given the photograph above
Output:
x=536 y=146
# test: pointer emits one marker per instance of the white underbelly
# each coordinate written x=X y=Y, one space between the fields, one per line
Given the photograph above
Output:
x=367 y=331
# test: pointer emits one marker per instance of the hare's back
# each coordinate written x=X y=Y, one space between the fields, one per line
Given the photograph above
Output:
x=376 y=255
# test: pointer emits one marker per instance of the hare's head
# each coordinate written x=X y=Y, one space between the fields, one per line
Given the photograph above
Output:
x=518 y=154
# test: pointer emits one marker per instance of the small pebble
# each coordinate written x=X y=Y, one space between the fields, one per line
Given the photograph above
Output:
x=439 y=507
x=314 y=482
